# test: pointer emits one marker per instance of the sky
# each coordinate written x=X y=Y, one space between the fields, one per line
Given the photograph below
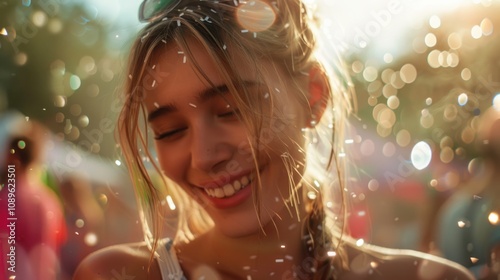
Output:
x=356 y=23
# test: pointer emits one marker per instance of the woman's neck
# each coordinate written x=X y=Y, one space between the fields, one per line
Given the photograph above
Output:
x=269 y=253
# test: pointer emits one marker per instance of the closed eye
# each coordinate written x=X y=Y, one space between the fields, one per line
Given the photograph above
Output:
x=230 y=113
x=169 y=134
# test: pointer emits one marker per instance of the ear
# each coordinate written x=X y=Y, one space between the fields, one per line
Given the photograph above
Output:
x=319 y=92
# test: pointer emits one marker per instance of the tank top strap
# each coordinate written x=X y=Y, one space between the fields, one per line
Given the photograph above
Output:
x=170 y=268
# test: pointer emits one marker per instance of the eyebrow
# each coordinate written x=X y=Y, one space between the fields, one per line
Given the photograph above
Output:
x=204 y=96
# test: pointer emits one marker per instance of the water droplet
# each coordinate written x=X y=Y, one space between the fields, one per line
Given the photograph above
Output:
x=170 y=202
x=311 y=195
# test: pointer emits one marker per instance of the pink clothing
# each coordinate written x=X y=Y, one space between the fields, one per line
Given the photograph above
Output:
x=36 y=224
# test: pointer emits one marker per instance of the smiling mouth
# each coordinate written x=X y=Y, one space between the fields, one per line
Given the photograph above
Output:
x=229 y=190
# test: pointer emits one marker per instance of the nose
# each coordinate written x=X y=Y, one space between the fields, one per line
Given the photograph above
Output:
x=210 y=147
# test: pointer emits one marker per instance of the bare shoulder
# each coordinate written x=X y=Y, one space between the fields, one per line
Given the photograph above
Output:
x=124 y=261
x=373 y=262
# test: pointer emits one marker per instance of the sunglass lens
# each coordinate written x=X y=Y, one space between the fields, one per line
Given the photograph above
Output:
x=153 y=7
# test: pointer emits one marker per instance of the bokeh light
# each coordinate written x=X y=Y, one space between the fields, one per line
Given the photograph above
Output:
x=493 y=218
x=255 y=16
x=421 y=155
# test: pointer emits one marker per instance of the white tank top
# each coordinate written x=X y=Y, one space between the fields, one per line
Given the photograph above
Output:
x=170 y=268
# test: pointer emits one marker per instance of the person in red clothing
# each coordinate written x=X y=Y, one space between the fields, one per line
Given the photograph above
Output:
x=32 y=241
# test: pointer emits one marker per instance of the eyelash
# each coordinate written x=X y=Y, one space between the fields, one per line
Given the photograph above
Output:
x=230 y=113
x=172 y=133
x=168 y=134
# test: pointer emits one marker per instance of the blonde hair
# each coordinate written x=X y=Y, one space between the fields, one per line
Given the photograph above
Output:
x=291 y=45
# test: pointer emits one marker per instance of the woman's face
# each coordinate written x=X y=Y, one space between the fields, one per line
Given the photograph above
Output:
x=204 y=147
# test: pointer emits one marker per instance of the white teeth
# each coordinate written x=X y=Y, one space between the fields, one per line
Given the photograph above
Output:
x=219 y=192
x=237 y=184
x=230 y=189
x=244 y=181
x=211 y=192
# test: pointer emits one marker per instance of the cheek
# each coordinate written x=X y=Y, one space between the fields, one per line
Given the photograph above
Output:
x=170 y=162
x=285 y=133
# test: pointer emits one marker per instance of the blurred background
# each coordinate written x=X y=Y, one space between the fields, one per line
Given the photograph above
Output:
x=425 y=138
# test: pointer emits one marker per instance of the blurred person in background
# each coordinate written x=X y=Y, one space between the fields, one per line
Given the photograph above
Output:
x=39 y=228
x=467 y=227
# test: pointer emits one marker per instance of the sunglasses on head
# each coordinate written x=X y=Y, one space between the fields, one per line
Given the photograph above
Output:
x=153 y=9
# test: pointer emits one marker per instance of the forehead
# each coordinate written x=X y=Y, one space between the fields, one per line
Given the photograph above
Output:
x=170 y=70
x=185 y=69
x=174 y=71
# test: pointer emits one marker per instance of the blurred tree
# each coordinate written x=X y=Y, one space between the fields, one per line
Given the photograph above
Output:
x=56 y=66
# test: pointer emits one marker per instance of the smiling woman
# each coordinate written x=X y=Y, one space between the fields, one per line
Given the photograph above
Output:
x=248 y=127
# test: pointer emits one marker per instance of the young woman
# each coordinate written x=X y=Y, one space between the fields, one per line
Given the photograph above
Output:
x=248 y=124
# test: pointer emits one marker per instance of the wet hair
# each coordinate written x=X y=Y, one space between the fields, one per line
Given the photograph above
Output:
x=290 y=44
